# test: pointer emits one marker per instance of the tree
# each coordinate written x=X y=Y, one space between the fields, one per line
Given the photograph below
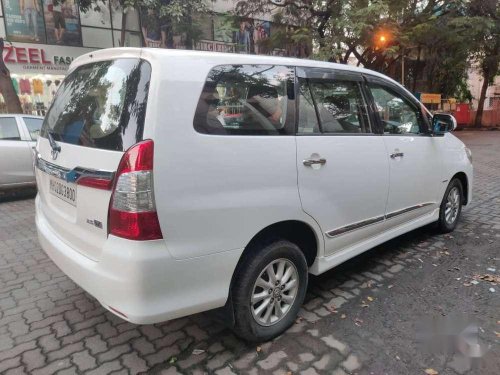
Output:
x=487 y=46
x=6 y=87
x=381 y=34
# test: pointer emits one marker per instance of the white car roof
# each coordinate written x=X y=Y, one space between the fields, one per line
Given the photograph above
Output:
x=217 y=58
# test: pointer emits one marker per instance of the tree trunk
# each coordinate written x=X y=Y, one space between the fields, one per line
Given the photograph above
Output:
x=416 y=71
x=9 y=94
x=6 y=87
x=124 y=26
x=480 y=105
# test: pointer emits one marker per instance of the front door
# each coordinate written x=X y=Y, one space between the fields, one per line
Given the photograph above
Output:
x=342 y=167
x=413 y=155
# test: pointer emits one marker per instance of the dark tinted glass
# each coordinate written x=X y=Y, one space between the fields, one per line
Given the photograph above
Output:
x=8 y=129
x=340 y=106
x=101 y=105
x=247 y=100
x=34 y=125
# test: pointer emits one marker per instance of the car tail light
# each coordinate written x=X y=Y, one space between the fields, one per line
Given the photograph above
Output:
x=132 y=211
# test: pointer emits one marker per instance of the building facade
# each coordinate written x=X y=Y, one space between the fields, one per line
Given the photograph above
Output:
x=45 y=36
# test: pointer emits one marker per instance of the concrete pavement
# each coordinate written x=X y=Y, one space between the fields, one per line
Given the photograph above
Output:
x=360 y=318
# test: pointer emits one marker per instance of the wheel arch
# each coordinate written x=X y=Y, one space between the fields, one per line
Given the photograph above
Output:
x=462 y=177
x=295 y=231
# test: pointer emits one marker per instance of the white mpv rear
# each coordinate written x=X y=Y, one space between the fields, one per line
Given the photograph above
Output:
x=173 y=182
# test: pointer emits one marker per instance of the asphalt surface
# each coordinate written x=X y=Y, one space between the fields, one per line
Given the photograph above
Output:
x=371 y=315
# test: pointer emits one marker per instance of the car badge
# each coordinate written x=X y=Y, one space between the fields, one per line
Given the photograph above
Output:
x=54 y=154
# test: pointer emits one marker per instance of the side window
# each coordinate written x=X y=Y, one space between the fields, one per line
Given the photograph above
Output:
x=34 y=125
x=246 y=100
x=398 y=115
x=308 y=120
x=8 y=129
x=339 y=106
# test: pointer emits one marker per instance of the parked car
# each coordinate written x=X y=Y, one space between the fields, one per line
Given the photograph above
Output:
x=18 y=135
x=174 y=182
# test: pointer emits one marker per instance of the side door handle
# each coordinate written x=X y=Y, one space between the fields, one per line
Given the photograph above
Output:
x=397 y=155
x=310 y=162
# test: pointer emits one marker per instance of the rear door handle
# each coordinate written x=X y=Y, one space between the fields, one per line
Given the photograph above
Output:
x=309 y=162
x=397 y=155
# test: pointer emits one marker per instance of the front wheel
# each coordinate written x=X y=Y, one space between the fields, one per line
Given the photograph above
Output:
x=269 y=289
x=451 y=207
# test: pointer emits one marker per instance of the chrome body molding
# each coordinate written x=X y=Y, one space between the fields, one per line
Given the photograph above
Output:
x=51 y=169
x=354 y=226
x=361 y=224
x=71 y=175
x=390 y=215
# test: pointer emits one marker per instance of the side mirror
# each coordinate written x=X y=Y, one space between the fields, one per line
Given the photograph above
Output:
x=443 y=123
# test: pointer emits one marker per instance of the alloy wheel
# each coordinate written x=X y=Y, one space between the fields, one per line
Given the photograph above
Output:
x=452 y=206
x=274 y=292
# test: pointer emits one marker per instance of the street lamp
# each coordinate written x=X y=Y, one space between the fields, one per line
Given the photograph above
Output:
x=381 y=39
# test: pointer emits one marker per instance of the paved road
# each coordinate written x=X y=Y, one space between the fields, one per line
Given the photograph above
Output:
x=361 y=317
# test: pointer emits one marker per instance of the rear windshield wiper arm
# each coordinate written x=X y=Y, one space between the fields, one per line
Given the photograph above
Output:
x=55 y=147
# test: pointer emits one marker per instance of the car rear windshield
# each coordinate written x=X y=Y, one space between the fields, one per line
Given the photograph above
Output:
x=101 y=105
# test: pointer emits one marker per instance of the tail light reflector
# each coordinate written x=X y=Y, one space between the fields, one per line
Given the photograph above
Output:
x=95 y=182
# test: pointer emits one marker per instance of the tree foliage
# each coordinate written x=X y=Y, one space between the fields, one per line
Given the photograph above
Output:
x=436 y=38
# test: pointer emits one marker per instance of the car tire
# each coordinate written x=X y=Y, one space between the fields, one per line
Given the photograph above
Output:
x=451 y=207
x=264 y=308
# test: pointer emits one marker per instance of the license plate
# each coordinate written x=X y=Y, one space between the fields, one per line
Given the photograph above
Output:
x=63 y=190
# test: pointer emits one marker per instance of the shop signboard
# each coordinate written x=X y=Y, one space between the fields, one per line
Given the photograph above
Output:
x=24 y=58
x=213 y=46
x=48 y=21
x=24 y=21
x=428 y=98
x=62 y=22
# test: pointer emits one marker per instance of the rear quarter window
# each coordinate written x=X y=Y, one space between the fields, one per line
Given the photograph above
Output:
x=247 y=100
x=8 y=129
x=101 y=105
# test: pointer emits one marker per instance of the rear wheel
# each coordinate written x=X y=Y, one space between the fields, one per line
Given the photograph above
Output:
x=451 y=207
x=268 y=290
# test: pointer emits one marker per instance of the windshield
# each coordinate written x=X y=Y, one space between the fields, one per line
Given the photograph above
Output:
x=101 y=105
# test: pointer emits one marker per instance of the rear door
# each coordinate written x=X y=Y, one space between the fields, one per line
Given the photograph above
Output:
x=16 y=166
x=413 y=155
x=342 y=166
x=97 y=114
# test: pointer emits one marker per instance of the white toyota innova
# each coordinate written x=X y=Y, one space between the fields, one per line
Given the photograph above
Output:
x=173 y=182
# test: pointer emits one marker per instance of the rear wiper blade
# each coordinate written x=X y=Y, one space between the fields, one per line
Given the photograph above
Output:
x=55 y=147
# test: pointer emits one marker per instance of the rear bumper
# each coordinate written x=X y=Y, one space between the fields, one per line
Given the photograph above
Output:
x=141 y=280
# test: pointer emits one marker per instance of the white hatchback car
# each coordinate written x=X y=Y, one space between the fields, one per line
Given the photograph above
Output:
x=173 y=182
